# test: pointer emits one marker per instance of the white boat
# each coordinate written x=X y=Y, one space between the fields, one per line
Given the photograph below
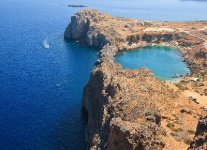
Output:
x=176 y=75
x=46 y=44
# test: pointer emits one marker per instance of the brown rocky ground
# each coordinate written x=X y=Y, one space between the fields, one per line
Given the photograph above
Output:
x=138 y=110
x=131 y=109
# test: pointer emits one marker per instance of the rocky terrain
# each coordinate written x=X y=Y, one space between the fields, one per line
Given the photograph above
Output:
x=200 y=139
x=132 y=109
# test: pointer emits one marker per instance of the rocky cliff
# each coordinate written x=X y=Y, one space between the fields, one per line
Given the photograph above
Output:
x=82 y=28
x=92 y=28
x=131 y=109
x=134 y=110
x=95 y=29
x=200 y=139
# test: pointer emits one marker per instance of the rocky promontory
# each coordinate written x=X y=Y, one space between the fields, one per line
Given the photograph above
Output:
x=132 y=109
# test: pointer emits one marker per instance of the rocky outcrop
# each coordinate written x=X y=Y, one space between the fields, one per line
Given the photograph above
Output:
x=200 y=139
x=128 y=136
x=125 y=108
x=95 y=29
x=92 y=28
x=78 y=28
x=81 y=29
x=131 y=109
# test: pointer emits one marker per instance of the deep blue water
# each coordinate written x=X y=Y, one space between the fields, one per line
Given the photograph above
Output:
x=165 y=62
x=41 y=89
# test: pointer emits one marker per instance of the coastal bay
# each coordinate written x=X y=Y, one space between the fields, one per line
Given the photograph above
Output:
x=166 y=62
x=132 y=109
x=42 y=75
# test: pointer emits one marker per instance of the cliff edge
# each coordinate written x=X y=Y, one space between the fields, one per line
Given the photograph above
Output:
x=131 y=109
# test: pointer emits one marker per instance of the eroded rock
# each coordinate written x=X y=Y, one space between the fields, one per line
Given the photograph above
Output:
x=125 y=107
x=200 y=139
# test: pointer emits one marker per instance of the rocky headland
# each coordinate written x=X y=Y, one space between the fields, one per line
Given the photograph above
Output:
x=132 y=109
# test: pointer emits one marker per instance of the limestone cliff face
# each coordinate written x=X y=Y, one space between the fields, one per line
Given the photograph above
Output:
x=106 y=97
x=126 y=108
x=131 y=109
x=92 y=28
x=81 y=29
x=95 y=29
x=77 y=29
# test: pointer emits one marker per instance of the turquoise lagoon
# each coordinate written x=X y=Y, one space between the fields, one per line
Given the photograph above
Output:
x=41 y=89
x=165 y=62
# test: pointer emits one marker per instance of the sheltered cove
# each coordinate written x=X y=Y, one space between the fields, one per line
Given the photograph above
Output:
x=131 y=109
x=166 y=62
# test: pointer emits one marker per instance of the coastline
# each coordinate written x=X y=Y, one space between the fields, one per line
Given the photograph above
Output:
x=109 y=83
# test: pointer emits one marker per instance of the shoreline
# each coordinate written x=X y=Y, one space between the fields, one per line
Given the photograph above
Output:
x=122 y=114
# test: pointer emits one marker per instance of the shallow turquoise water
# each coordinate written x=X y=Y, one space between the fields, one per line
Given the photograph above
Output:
x=41 y=89
x=165 y=62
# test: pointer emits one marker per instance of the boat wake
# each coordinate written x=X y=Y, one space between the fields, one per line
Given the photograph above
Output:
x=45 y=44
x=59 y=84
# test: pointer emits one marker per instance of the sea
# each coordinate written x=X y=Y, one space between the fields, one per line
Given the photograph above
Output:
x=42 y=76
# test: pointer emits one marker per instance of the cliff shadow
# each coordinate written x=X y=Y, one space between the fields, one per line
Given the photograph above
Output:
x=69 y=131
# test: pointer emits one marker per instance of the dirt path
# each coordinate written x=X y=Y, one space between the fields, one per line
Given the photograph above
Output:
x=196 y=36
x=189 y=33
x=205 y=41
x=201 y=99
